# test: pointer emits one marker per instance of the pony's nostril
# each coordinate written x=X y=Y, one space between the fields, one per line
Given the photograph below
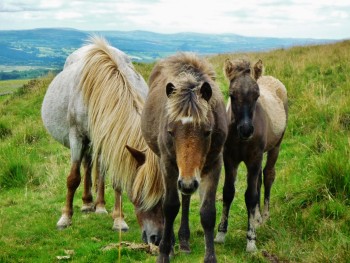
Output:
x=157 y=241
x=179 y=184
x=195 y=184
x=154 y=239
x=144 y=237
x=188 y=188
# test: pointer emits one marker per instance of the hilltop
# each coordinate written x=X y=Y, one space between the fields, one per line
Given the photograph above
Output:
x=48 y=48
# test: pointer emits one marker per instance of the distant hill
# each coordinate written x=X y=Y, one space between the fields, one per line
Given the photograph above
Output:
x=48 y=48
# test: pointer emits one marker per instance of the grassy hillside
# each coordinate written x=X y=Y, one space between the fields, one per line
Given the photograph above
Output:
x=310 y=207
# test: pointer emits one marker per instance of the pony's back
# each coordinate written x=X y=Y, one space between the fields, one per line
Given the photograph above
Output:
x=273 y=98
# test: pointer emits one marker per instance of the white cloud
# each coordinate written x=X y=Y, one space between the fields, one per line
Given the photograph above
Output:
x=45 y=4
x=279 y=18
x=67 y=15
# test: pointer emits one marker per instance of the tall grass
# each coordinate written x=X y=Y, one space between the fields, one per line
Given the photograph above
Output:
x=310 y=207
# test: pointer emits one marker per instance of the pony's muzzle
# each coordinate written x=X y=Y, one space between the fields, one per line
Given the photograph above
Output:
x=245 y=130
x=151 y=238
x=187 y=187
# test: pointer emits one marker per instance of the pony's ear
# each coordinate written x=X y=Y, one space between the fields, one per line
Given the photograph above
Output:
x=206 y=91
x=258 y=69
x=169 y=89
x=228 y=68
x=139 y=156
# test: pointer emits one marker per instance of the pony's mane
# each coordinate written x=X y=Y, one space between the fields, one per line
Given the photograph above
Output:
x=148 y=190
x=114 y=109
x=186 y=101
x=188 y=73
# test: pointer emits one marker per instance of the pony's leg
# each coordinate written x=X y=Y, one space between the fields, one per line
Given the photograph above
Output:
x=269 y=177
x=119 y=223
x=100 y=203
x=73 y=179
x=228 y=196
x=171 y=207
x=88 y=205
x=207 y=191
x=258 y=218
x=184 y=231
x=252 y=200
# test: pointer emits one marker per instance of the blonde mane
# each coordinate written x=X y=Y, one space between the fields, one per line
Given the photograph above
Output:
x=148 y=190
x=114 y=120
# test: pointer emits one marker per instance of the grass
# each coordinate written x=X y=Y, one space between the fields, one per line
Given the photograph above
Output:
x=9 y=86
x=310 y=215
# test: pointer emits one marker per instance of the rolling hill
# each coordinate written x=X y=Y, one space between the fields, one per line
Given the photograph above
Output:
x=48 y=48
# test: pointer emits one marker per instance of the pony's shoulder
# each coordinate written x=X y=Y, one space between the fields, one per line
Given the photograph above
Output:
x=270 y=85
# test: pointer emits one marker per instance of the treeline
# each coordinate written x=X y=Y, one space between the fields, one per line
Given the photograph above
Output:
x=26 y=74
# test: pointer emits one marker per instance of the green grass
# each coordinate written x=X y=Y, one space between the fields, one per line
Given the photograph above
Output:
x=9 y=86
x=310 y=207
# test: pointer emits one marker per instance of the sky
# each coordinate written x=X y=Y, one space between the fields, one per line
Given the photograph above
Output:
x=320 y=19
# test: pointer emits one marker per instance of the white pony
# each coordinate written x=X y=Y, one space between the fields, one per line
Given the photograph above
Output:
x=93 y=107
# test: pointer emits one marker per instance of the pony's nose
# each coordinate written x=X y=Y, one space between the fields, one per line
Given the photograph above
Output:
x=144 y=237
x=187 y=188
x=155 y=239
x=245 y=130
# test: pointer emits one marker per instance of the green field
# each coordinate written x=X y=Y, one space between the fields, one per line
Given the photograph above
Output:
x=9 y=86
x=310 y=200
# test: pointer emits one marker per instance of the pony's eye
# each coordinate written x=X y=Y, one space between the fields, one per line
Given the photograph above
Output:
x=171 y=133
x=207 y=133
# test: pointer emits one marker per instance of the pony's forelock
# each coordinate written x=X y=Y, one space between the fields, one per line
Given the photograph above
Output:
x=186 y=100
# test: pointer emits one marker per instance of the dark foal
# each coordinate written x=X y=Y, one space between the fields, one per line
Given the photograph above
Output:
x=257 y=115
x=184 y=123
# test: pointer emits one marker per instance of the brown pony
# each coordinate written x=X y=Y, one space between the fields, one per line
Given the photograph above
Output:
x=184 y=123
x=257 y=114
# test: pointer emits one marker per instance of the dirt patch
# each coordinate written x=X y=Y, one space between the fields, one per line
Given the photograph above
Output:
x=148 y=248
x=272 y=258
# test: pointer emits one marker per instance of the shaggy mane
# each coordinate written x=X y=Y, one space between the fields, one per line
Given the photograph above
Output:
x=114 y=109
x=188 y=73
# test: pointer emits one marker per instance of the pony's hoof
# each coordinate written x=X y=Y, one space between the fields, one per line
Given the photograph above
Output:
x=120 y=225
x=210 y=259
x=64 y=222
x=185 y=247
x=251 y=247
x=87 y=208
x=163 y=258
x=101 y=210
x=220 y=238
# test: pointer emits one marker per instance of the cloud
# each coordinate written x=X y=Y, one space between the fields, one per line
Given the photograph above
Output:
x=18 y=6
x=52 y=4
x=279 y=18
x=68 y=15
